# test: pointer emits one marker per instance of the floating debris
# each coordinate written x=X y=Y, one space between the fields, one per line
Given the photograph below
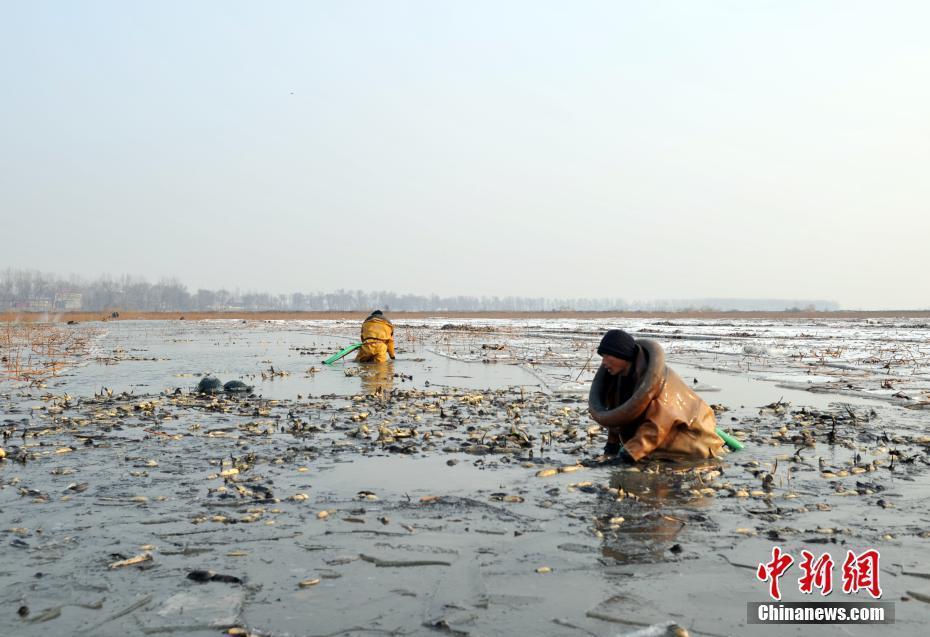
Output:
x=402 y=563
x=132 y=561
x=203 y=576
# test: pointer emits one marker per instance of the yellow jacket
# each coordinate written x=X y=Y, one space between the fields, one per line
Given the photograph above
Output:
x=377 y=339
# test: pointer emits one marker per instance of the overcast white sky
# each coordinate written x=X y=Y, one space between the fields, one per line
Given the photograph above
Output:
x=639 y=150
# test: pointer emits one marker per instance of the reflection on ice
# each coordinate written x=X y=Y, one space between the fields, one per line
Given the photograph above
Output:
x=377 y=378
x=652 y=506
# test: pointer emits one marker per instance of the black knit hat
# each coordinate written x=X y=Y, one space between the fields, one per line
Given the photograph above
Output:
x=377 y=313
x=618 y=343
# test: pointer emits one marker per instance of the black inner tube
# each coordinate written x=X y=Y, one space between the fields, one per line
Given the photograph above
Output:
x=649 y=386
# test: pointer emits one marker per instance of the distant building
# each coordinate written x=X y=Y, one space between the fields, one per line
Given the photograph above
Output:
x=35 y=305
x=68 y=301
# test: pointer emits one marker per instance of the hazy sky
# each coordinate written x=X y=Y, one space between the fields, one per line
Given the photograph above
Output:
x=638 y=150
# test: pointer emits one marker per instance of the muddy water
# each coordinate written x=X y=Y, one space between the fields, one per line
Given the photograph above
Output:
x=150 y=356
x=441 y=530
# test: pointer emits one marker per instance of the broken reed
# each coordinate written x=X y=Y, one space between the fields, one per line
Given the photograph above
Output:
x=32 y=352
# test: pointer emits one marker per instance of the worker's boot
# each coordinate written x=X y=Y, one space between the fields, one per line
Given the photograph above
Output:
x=611 y=449
x=623 y=457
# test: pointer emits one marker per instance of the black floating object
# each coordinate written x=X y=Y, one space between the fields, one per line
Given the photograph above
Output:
x=209 y=385
x=201 y=576
x=235 y=386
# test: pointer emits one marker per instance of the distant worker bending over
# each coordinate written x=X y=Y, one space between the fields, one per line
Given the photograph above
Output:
x=645 y=406
x=377 y=339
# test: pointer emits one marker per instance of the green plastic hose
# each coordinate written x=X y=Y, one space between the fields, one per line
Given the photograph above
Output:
x=732 y=442
x=335 y=357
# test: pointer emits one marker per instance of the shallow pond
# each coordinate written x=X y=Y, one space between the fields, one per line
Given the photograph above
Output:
x=415 y=497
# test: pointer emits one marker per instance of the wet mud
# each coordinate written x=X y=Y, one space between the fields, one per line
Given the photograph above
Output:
x=444 y=492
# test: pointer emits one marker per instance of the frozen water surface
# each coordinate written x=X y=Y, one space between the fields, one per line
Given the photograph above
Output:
x=410 y=490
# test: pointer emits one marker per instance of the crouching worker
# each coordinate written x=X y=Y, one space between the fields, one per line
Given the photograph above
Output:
x=377 y=339
x=645 y=406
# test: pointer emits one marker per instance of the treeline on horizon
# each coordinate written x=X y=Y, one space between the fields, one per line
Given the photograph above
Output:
x=30 y=290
